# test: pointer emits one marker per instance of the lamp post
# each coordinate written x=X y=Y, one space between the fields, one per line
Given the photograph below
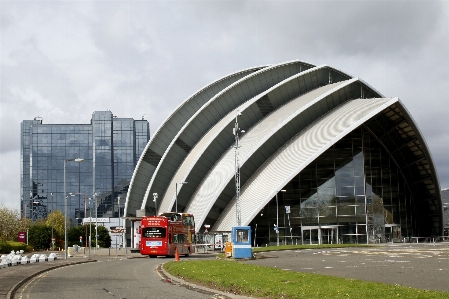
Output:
x=84 y=216
x=90 y=225
x=155 y=203
x=277 y=218
x=65 y=204
x=176 y=204
x=52 y=223
x=96 y=223
x=116 y=247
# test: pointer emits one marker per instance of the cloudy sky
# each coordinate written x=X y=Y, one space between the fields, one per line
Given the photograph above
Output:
x=62 y=60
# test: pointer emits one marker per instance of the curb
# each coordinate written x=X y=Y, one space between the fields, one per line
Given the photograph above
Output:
x=14 y=289
x=167 y=277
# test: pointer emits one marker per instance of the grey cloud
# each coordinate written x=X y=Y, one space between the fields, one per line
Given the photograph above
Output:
x=64 y=60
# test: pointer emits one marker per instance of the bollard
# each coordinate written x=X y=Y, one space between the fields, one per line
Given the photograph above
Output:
x=51 y=257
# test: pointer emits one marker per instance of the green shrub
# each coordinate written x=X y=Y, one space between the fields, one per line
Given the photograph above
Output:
x=16 y=246
x=8 y=246
x=5 y=247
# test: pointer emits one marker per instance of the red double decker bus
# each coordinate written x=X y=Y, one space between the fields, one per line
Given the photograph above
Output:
x=161 y=235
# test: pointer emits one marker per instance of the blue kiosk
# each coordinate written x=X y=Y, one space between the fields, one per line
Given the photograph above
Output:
x=241 y=242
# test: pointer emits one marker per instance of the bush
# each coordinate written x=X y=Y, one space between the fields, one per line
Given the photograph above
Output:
x=7 y=247
x=39 y=236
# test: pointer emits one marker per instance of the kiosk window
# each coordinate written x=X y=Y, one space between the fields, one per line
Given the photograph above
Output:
x=242 y=235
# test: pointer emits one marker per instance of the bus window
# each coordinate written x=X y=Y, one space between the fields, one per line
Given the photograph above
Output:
x=188 y=220
x=175 y=238
x=154 y=232
x=169 y=239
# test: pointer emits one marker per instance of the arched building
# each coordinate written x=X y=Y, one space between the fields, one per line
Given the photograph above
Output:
x=324 y=156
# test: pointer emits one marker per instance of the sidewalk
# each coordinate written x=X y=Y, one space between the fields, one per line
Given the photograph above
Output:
x=102 y=252
x=13 y=277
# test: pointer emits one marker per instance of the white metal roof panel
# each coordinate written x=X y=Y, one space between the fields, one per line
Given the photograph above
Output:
x=297 y=154
x=223 y=171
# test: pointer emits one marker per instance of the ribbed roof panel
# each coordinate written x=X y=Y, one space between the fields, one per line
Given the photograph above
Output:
x=296 y=155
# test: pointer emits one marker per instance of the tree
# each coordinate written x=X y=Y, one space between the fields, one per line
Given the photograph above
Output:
x=39 y=236
x=104 y=239
x=74 y=234
x=56 y=219
x=10 y=224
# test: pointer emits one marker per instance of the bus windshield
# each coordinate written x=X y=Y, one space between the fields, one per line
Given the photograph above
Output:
x=154 y=232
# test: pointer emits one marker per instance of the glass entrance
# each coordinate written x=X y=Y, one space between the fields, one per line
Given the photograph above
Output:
x=393 y=233
x=328 y=236
x=319 y=235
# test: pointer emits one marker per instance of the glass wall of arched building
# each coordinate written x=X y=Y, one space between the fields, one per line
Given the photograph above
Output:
x=352 y=193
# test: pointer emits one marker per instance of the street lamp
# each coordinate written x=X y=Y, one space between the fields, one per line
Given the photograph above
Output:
x=65 y=204
x=277 y=218
x=52 y=223
x=84 y=216
x=155 y=203
x=90 y=224
x=181 y=183
x=119 y=228
x=96 y=222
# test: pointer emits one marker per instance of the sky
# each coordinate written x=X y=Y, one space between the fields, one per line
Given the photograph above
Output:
x=63 y=60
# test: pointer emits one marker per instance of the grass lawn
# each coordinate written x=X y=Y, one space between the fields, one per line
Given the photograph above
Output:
x=264 y=282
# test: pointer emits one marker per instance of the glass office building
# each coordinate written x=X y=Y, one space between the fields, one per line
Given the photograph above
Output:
x=110 y=147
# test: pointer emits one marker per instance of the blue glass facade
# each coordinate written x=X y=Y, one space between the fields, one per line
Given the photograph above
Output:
x=110 y=147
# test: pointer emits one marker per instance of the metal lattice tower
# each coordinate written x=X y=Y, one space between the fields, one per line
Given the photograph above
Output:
x=236 y=131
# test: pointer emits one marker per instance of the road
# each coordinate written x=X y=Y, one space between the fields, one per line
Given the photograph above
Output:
x=109 y=278
x=423 y=266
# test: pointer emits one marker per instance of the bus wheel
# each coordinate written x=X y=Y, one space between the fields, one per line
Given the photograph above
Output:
x=152 y=256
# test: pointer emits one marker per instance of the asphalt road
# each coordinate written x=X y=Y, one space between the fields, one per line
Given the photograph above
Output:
x=423 y=266
x=111 y=278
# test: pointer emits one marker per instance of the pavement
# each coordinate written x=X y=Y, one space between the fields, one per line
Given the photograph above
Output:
x=411 y=260
x=13 y=277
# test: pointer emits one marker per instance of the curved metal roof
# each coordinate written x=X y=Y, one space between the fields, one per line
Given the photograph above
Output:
x=161 y=139
x=209 y=114
x=292 y=113
x=290 y=159
x=214 y=142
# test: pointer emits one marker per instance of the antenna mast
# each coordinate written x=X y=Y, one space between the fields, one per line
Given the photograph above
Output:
x=236 y=131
